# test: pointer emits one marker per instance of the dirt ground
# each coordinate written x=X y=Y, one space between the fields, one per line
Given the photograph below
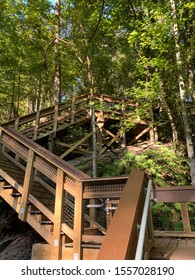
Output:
x=16 y=237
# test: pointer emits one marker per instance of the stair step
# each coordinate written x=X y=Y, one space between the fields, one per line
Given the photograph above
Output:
x=85 y=245
x=46 y=222
x=7 y=187
x=16 y=194
x=35 y=212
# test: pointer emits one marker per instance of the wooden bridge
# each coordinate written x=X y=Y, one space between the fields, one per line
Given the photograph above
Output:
x=80 y=217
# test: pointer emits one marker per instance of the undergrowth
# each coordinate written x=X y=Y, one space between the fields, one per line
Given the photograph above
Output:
x=163 y=164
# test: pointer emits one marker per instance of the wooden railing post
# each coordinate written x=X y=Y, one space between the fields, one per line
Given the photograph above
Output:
x=121 y=238
x=78 y=222
x=185 y=217
x=26 y=186
x=58 y=216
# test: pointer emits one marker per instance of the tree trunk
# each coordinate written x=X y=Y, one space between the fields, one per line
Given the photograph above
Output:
x=162 y=97
x=182 y=91
x=57 y=78
x=153 y=130
x=93 y=125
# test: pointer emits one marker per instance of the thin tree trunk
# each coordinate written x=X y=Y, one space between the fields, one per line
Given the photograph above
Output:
x=153 y=130
x=182 y=91
x=18 y=91
x=162 y=97
x=91 y=83
x=191 y=82
x=57 y=78
x=38 y=101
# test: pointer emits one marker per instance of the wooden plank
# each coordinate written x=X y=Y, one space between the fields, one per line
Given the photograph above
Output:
x=181 y=253
x=121 y=238
x=41 y=229
x=175 y=194
x=114 y=139
x=26 y=186
x=68 y=231
x=58 y=216
x=185 y=217
x=174 y=234
x=77 y=150
x=139 y=135
x=41 y=207
x=73 y=147
x=182 y=242
x=41 y=252
x=78 y=223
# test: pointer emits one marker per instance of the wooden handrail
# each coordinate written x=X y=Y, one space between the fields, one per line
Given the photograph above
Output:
x=45 y=154
x=121 y=239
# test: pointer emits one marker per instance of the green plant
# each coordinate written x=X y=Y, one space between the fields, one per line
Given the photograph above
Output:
x=162 y=164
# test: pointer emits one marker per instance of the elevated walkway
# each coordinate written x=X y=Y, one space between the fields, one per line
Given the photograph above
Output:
x=79 y=217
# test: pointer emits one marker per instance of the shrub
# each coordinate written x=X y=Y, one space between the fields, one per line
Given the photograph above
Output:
x=162 y=163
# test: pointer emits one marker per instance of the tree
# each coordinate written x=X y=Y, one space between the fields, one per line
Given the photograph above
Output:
x=183 y=94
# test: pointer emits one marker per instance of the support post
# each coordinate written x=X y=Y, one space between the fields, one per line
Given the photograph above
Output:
x=26 y=186
x=185 y=217
x=78 y=223
x=58 y=216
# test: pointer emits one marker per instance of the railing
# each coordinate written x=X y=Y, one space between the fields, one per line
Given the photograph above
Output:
x=171 y=215
x=63 y=194
x=120 y=242
x=142 y=231
x=53 y=118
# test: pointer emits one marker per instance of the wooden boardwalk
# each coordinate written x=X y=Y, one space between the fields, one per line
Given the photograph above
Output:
x=80 y=217
x=173 y=249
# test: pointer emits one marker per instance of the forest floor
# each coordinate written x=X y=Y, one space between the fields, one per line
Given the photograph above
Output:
x=17 y=237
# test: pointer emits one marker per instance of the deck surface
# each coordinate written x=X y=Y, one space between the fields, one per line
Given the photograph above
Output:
x=173 y=249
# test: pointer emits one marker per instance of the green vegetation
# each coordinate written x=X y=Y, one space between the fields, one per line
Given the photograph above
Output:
x=162 y=164
x=142 y=51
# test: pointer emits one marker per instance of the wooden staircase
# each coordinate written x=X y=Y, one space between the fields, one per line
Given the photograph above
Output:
x=68 y=208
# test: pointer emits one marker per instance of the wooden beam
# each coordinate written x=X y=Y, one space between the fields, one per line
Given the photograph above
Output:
x=139 y=135
x=182 y=234
x=26 y=186
x=109 y=132
x=78 y=223
x=58 y=216
x=114 y=139
x=121 y=238
x=175 y=194
x=77 y=150
x=185 y=217
x=76 y=145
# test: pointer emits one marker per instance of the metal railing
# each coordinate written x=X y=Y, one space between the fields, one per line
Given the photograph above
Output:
x=140 y=244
